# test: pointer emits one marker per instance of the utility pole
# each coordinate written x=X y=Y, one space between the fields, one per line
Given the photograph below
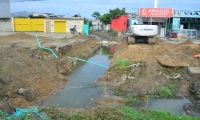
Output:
x=155 y=3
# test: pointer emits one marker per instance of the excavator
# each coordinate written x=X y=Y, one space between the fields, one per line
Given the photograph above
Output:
x=137 y=31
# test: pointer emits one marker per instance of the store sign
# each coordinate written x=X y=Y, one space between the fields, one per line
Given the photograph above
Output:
x=156 y=12
x=176 y=24
x=190 y=13
x=187 y=13
x=154 y=19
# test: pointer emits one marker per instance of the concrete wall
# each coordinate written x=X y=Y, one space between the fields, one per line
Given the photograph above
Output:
x=5 y=9
x=69 y=24
x=198 y=33
x=6 y=24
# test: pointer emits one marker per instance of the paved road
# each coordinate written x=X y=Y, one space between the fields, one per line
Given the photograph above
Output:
x=176 y=40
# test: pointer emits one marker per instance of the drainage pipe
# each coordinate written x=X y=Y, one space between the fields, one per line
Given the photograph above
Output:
x=88 y=61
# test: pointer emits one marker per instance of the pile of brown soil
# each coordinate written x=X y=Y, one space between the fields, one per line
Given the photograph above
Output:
x=147 y=77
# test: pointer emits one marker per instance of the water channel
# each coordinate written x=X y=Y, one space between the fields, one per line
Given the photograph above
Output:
x=80 y=92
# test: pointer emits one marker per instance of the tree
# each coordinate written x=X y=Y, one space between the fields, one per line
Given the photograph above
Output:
x=87 y=21
x=117 y=12
x=105 y=18
x=96 y=14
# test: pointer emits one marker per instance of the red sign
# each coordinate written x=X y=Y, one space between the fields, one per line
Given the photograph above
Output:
x=156 y=12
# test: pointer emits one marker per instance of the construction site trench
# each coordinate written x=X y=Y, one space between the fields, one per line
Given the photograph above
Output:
x=78 y=78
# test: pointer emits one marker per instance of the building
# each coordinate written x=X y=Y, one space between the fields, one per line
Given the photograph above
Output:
x=156 y=16
x=6 y=21
x=96 y=25
x=119 y=23
x=63 y=25
x=185 y=22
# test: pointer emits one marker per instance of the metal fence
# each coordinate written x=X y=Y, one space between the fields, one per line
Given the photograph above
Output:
x=186 y=33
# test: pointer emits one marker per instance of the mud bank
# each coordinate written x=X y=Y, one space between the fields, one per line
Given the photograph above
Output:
x=28 y=74
x=146 y=74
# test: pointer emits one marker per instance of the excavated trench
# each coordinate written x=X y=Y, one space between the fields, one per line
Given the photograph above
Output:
x=81 y=89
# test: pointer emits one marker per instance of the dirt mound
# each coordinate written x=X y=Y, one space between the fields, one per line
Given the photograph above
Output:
x=186 y=42
x=19 y=36
x=189 y=50
x=151 y=74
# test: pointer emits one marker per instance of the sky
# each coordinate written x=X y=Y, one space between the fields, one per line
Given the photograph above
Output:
x=86 y=7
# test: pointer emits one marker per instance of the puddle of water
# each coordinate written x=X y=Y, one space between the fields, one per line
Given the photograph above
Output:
x=77 y=92
x=172 y=105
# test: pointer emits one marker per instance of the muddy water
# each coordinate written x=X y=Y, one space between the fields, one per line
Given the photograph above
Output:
x=81 y=90
x=172 y=105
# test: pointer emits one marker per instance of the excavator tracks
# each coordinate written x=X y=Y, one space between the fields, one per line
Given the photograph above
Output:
x=131 y=40
x=151 y=41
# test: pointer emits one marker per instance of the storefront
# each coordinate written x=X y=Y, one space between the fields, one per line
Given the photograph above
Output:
x=156 y=16
x=185 y=22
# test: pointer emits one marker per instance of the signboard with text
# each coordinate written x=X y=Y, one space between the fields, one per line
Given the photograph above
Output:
x=176 y=24
x=187 y=13
x=156 y=12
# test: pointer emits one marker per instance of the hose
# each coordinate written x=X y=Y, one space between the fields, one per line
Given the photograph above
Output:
x=49 y=49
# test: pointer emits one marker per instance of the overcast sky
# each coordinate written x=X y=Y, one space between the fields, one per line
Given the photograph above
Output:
x=86 y=7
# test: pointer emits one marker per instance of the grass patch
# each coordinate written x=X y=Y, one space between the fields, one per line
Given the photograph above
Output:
x=121 y=65
x=166 y=91
x=132 y=101
x=113 y=32
x=131 y=114
x=106 y=113
x=118 y=93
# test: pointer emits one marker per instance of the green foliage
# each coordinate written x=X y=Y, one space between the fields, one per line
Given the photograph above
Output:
x=131 y=114
x=118 y=93
x=87 y=21
x=132 y=101
x=26 y=117
x=116 y=113
x=171 y=86
x=165 y=91
x=121 y=65
x=20 y=17
x=3 y=115
x=96 y=14
x=113 y=32
x=121 y=62
x=105 y=18
x=117 y=12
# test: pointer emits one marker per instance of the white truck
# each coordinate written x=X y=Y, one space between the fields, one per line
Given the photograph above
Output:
x=140 y=32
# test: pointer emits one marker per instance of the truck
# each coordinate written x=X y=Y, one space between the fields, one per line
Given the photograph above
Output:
x=137 y=31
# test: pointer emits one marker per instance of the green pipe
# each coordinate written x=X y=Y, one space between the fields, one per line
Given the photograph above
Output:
x=46 y=48
x=88 y=62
